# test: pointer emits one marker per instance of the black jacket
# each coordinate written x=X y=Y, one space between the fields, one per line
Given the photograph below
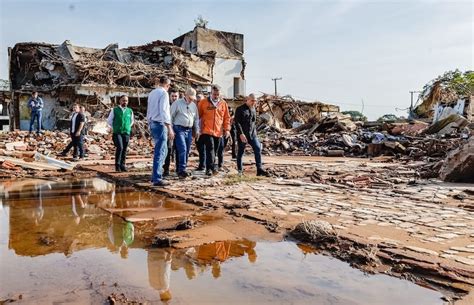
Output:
x=245 y=121
x=77 y=122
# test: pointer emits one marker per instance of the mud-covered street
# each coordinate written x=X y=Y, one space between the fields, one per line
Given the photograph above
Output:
x=118 y=235
x=90 y=241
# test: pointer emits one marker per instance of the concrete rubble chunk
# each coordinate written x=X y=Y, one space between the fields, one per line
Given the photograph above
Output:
x=459 y=164
x=463 y=249
x=422 y=250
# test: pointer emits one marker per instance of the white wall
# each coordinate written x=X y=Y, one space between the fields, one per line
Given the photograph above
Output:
x=224 y=72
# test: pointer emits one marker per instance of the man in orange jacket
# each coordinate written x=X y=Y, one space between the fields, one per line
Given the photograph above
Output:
x=215 y=118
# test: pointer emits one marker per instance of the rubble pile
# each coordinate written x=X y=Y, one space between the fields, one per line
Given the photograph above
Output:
x=112 y=67
x=20 y=151
x=138 y=66
x=290 y=127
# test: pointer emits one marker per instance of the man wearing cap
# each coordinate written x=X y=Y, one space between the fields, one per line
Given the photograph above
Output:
x=215 y=120
x=159 y=121
x=185 y=118
x=245 y=122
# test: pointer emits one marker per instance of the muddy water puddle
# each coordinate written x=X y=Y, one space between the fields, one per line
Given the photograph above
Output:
x=81 y=241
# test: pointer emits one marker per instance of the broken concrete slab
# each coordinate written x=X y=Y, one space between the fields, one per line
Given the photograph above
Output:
x=459 y=165
x=203 y=235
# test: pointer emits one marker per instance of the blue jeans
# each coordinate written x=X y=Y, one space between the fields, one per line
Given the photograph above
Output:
x=257 y=151
x=159 y=132
x=182 y=141
x=36 y=114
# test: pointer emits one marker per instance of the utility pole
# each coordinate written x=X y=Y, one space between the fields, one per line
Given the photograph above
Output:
x=275 y=80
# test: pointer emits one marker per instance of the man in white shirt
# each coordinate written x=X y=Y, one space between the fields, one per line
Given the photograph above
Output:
x=185 y=118
x=159 y=121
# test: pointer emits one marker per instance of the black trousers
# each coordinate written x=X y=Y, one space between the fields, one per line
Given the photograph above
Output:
x=212 y=145
x=201 y=148
x=233 y=141
x=78 y=145
x=220 y=151
x=121 y=141
x=171 y=150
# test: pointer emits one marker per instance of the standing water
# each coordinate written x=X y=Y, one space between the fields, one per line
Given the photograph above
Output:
x=58 y=244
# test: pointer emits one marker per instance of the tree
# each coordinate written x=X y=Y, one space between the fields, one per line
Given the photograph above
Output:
x=388 y=118
x=356 y=115
x=201 y=22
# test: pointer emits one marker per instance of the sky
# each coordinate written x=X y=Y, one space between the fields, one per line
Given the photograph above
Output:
x=359 y=55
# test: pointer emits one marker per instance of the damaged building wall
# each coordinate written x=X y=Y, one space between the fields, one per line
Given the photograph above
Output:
x=228 y=49
x=202 y=40
x=227 y=75
x=91 y=75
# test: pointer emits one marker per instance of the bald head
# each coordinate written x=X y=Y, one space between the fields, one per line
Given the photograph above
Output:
x=251 y=100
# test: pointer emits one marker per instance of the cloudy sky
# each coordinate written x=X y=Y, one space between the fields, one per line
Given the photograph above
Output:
x=341 y=52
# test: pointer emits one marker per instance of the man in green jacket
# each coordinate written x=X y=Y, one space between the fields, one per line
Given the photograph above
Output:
x=121 y=121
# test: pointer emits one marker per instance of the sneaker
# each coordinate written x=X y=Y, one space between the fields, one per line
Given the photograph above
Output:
x=183 y=175
x=62 y=155
x=200 y=168
x=160 y=183
x=262 y=172
x=118 y=169
x=166 y=173
x=208 y=172
x=123 y=168
x=75 y=159
x=240 y=173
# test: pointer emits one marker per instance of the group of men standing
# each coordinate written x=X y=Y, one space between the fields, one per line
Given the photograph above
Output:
x=173 y=125
x=208 y=120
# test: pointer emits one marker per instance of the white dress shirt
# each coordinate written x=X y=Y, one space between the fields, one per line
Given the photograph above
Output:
x=158 y=109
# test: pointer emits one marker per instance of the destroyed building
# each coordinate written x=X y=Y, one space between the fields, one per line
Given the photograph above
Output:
x=228 y=49
x=4 y=103
x=65 y=74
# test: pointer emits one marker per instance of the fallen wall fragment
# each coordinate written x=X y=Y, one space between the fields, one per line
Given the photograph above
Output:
x=459 y=165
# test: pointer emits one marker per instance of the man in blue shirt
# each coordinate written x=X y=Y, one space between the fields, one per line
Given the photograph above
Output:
x=35 y=103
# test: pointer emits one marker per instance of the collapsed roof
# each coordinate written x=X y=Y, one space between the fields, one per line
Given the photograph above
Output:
x=44 y=66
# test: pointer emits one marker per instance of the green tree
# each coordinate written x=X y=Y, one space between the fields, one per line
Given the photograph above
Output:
x=388 y=118
x=356 y=115
x=201 y=22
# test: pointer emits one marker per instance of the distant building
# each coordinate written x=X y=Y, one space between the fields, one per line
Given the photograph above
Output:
x=228 y=49
x=5 y=96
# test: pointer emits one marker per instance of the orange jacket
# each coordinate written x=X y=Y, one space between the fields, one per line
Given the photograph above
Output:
x=213 y=119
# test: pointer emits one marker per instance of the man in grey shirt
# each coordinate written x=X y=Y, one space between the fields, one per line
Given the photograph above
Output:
x=185 y=118
x=159 y=121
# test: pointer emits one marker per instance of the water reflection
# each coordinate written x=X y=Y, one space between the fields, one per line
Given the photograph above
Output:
x=121 y=236
x=65 y=217
x=199 y=259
